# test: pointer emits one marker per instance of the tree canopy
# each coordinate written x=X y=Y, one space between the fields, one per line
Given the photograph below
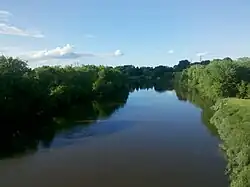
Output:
x=220 y=78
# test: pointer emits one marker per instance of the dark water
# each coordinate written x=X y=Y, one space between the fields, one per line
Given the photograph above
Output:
x=155 y=139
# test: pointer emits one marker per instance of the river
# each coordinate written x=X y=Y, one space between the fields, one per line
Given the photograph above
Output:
x=154 y=139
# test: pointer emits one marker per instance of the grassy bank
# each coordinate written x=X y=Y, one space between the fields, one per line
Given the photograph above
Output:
x=232 y=118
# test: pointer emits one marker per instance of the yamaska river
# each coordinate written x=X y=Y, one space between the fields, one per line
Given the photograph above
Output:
x=154 y=139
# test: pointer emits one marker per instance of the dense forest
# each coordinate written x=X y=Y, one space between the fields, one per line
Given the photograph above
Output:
x=228 y=79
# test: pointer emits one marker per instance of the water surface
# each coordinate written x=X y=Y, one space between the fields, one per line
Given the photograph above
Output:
x=155 y=139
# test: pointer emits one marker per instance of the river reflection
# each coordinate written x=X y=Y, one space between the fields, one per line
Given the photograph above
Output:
x=77 y=116
x=144 y=138
x=84 y=118
x=203 y=103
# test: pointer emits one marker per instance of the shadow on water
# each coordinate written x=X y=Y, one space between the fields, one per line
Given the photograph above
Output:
x=82 y=118
x=193 y=96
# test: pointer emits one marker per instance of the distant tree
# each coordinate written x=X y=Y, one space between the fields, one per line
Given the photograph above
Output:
x=183 y=64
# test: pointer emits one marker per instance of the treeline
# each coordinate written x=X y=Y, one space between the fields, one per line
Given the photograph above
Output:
x=26 y=92
x=220 y=78
x=226 y=78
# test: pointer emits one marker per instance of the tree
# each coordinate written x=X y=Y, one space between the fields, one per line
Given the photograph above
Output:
x=183 y=64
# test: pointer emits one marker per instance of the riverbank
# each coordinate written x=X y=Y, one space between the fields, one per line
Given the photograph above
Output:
x=229 y=79
x=232 y=119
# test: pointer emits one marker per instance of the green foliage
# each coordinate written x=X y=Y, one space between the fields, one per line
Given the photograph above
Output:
x=147 y=74
x=232 y=119
x=183 y=64
x=27 y=93
x=220 y=78
x=17 y=88
x=109 y=80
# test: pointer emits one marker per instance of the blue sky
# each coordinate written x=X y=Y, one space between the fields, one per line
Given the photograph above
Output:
x=117 y=32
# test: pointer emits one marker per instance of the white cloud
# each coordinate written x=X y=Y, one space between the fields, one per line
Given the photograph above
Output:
x=8 y=50
x=12 y=30
x=118 y=53
x=171 y=51
x=4 y=15
x=65 y=52
x=201 y=54
x=4 y=12
x=8 y=29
